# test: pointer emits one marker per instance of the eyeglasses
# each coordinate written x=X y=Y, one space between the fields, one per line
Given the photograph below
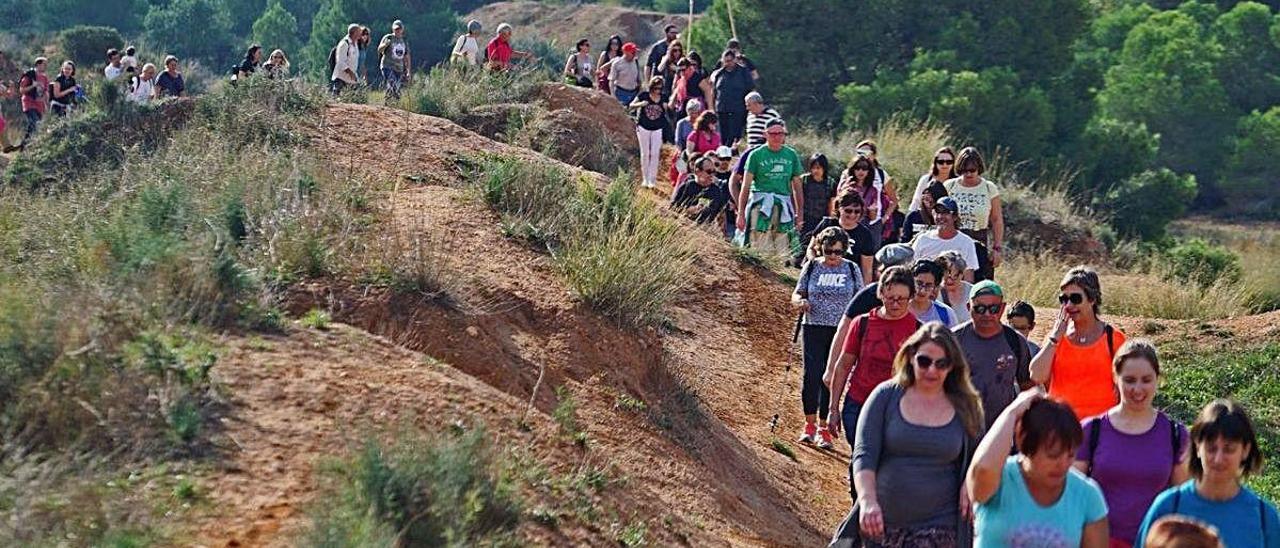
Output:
x=851 y=210
x=944 y=162
x=894 y=299
x=925 y=286
x=829 y=251
x=1073 y=298
x=925 y=362
x=985 y=309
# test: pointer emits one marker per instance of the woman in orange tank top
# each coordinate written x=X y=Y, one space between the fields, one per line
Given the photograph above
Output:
x=1075 y=359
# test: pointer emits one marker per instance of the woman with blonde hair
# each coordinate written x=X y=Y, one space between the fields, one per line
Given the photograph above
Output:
x=916 y=435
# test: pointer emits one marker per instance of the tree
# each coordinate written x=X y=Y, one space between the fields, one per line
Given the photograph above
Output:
x=277 y=28
x=192 y=29
x=1250 y=59
x=328 y=26
x=1252 y=171
x=55 y=15
x=1166 y=79
x=86 y=45
x=241 y=14
x=1113 y=151
x=987 y=108
x=1143 y=205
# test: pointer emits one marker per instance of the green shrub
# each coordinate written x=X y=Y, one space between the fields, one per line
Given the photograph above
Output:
x=260 y=110
x=315 y=319
x=1142 y=206
x=88 y=45
x=440 y=491
x=1203 y=263
x=453 y=91
x=566 y=412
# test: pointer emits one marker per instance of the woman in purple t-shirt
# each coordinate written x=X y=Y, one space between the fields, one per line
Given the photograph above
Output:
x=1133 y=450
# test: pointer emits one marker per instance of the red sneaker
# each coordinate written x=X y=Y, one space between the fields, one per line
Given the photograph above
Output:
x=810 y=433
x=824 y=439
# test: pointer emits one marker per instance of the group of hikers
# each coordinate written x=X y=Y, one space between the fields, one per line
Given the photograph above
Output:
x=962 y=431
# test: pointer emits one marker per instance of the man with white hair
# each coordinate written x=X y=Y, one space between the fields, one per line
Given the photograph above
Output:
x=758 y=117
x=346 y=57
x=500 y=52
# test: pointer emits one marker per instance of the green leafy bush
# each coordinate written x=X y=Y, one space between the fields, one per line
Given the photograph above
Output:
x=451 y=91
x=88 y=45
x=1142 y=206
x=1203 y=263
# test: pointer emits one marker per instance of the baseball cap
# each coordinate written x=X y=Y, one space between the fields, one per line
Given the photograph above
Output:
x=397 y=24
x=724 y=152
x=948 y=203
x=985 y=287
x=895 y=254
x=629 y=47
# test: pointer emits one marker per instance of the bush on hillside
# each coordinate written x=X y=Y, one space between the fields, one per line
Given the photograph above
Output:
x=452 y=92
x=88 y=45
x=1142 y=206
x=1203 y=263
x=439 y=491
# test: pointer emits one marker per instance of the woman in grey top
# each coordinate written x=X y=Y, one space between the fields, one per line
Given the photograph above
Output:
x=827 y=283
x=915 y=437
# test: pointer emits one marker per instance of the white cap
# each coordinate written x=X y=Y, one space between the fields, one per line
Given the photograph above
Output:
x=724 y=152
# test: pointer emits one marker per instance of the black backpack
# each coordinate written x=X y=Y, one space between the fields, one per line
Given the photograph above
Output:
x=333 y=59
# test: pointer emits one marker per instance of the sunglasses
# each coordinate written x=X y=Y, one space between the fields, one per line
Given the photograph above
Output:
x=985 y=309
x=1073 y=298
x=851 y=211
x=707 y=171
x=925 y=362
x=942 y=211
x=829 y=251
x=861 y=168
x=925 y=286
x=943 y=162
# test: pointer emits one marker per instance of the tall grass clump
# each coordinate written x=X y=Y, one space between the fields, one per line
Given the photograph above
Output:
x=440 y=491
x=1157 y=291
x=453 y=91
x=620 y=255
x=261 y=110
x=1257 y=249
x=905 y=147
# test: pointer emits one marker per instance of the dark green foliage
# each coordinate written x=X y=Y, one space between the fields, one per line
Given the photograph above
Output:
x=196 y=28
x=1248 y=67
x=442 y=491
x=276 y=28
x=1252 y=170
x=55 y=15
x=260 y=110
x=1142 y=206
x=1203 y=263
x=429 y=27
x=1113 y=151
x=88 y=45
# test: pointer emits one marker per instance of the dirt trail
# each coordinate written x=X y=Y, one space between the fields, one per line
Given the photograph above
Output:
x=697 y=474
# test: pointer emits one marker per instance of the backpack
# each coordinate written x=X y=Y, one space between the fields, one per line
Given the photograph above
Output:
x=1095 y=433
x=1262 y=513
x=1018 y=344
x=333 y=59
x=862 y=326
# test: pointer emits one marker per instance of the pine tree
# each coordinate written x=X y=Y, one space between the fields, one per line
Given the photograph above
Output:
x=277 y=28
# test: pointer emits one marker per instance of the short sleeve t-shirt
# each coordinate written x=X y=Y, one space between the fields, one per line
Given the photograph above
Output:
x=994 y=368
x=828 y=289
x=859 y=241
x=1132 y=469
x=171 y=85
x=974 y=202
x=468 y=50
x=652 y=115
x=394 y=49
x=1081 y=375
x=937 y=312
x=1241 y=521
x=873 y=354
x=864 y=301
x=817 y=197
x=34 y=101
x=929 y=245
x=772 y=171
x=1012 y=519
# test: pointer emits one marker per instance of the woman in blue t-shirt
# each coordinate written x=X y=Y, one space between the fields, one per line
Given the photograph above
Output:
x=1224 y=450
x=1035 y=498
x=827 y=283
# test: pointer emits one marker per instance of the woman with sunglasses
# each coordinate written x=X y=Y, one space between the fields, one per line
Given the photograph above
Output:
x=826 y=284
x=860 y=177
x=890 y=217
x=1224 y=452
x=866 y=359
x=916 y=435
x=691 y=83
x=981 y=215
x=849 y=217
x=940 y=172
x=1034 y=498
x=923 y=220
x=1076 y=356
x=1133 y=451
x=577 y=67
x=700 y=196
x=612 y=50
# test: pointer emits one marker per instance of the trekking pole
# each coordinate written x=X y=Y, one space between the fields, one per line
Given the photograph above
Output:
x=689 y=40
x=733 y=29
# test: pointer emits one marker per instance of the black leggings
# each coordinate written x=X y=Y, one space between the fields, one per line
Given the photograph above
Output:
x=814 y=395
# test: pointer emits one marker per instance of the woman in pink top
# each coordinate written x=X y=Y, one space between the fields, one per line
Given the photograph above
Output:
x=705 y=138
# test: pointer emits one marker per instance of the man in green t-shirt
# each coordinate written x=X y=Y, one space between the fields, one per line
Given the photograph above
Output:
x=773 y=200
x=396 y=62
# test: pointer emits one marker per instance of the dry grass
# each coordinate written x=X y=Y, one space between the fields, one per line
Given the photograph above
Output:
x=906 y=147
x=1150 y=294
x=1257 y=245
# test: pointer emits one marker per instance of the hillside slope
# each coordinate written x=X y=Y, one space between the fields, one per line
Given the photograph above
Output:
x=698 y=465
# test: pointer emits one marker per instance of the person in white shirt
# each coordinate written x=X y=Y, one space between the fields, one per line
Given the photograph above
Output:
x=931 y=244
x=143 y=87
x=466 y=50
x=114 y=67
x=347 y=57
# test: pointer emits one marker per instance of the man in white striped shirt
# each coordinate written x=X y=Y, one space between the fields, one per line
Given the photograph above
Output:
x=758 y=118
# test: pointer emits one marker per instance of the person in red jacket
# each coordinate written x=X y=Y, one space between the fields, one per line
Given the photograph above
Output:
x=500 y=52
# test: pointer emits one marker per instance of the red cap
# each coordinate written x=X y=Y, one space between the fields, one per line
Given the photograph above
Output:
x=629 y=47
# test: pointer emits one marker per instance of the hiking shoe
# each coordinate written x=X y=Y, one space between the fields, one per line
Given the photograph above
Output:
x=810 y=433
x=824 y=439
